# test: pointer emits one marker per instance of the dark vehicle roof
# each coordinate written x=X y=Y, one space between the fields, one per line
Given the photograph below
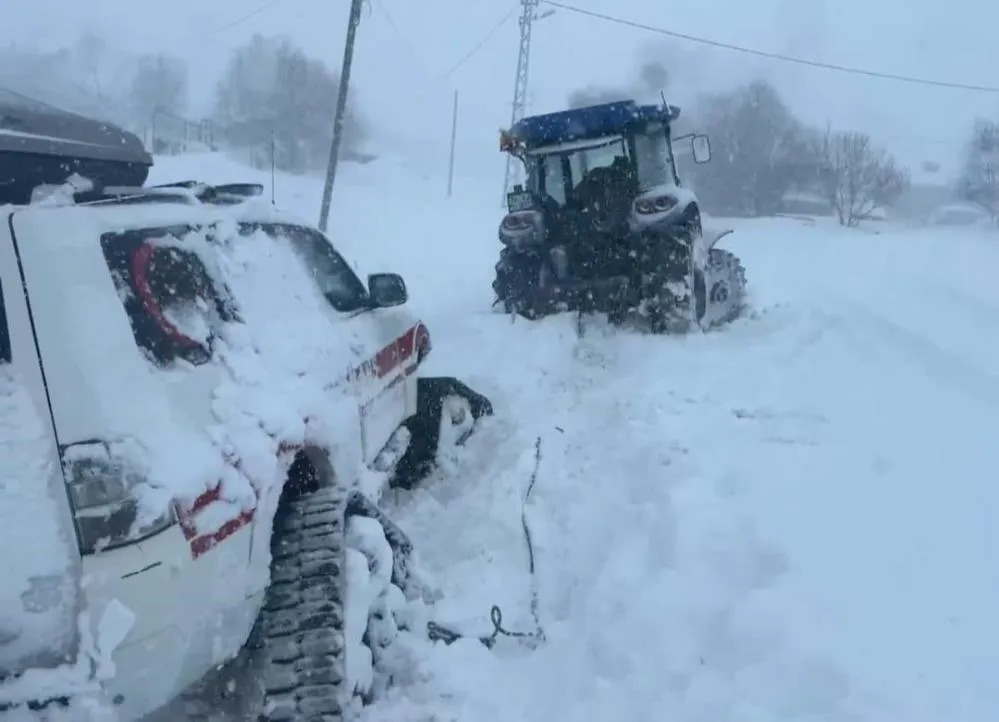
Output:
x=43 y=145
x=591 y=122
x=29 y=126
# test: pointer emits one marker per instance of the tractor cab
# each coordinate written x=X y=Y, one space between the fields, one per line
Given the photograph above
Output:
x=603 y=155
x=604 y=224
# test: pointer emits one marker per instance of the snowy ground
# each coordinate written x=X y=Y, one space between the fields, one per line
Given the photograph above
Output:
x=789 y=519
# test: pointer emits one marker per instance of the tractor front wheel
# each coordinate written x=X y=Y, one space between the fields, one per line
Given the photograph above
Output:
x=726 y=288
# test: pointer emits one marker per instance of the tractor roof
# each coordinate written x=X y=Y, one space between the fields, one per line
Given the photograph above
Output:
x=591 y=122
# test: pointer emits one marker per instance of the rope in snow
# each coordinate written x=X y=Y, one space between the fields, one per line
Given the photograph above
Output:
x=538 y=633
x=436 y=632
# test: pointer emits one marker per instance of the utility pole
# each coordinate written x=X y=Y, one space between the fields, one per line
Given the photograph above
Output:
x=528 y=15
x=454 y=134
x=341 y=109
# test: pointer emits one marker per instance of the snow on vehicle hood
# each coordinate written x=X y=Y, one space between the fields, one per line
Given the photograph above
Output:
x=39 y=594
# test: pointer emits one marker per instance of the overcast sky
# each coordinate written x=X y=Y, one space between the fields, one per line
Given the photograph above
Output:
x=405 y=47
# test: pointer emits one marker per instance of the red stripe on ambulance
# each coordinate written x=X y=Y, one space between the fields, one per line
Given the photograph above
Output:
x=415 y=341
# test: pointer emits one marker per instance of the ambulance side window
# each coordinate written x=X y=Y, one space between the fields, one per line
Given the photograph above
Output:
x=174 y=306
x=333 y=276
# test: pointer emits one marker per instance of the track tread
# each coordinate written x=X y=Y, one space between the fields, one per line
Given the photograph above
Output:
x=301 y=623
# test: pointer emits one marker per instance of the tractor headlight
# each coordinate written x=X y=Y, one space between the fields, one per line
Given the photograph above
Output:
x=521 y=228
x=520 y=221
x=656 y=204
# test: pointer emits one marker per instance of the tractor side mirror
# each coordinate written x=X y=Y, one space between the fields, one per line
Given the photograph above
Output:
x=701 y=147
x=386 y=290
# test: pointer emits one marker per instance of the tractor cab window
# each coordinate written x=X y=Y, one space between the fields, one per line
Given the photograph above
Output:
x=592 y=163
x=545 y=178
x=554 y=180
x=613 y=155
x=654 y=157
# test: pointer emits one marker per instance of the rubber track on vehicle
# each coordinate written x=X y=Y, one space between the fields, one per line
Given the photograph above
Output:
x=301 y=623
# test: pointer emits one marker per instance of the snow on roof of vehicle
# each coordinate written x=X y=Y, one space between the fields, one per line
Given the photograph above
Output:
x=590 y=122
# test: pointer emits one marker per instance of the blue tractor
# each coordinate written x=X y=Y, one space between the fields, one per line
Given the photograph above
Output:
x=604 y=224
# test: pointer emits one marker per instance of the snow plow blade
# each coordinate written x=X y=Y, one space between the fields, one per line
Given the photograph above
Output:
x=436 y=395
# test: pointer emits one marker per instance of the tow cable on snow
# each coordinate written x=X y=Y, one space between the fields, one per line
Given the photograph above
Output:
x=439 y=633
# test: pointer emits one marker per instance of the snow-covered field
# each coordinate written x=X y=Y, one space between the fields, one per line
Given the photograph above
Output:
x=789 y=519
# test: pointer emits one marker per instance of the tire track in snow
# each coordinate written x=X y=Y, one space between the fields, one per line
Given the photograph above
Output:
x=946 y=368
x=922 y=416
x=644 y=552
x=984 y=311
x=709 y=571
x=741 y=638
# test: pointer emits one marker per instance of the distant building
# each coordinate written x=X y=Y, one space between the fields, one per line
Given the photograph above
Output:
x=928 y=190
x=812 y=204
x=805 y=203
x=958 y=214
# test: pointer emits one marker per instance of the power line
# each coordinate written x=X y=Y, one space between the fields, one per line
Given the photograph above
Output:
x=402 y=38
x=470 y=54
x=248 y=16
x=775 y=56
x=478 y=46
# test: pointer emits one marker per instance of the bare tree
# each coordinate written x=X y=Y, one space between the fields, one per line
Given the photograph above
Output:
x=857 y=177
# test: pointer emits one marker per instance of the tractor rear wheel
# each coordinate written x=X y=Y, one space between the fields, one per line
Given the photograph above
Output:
x=516 y=277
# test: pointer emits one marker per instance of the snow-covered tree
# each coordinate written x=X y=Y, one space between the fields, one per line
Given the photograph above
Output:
x=857 y=177
x=979 y=179
x=90 y=78
x=92 y=58
x=758 y=150
x=159 y=85
x=271 y=89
